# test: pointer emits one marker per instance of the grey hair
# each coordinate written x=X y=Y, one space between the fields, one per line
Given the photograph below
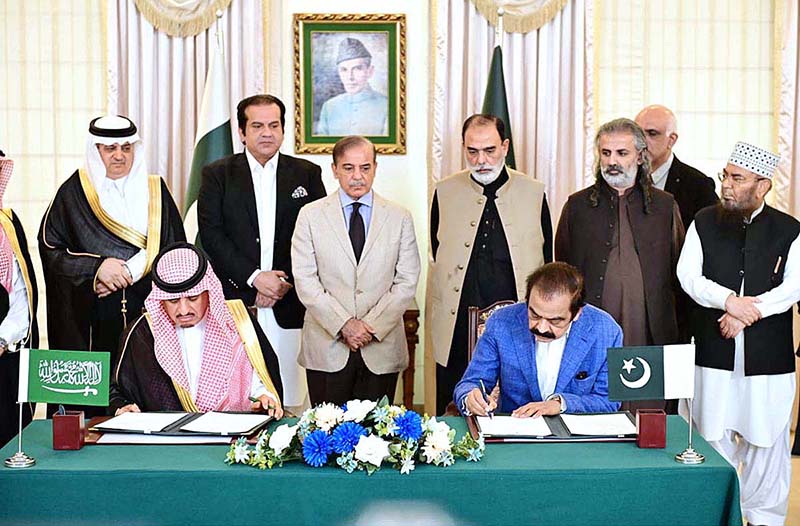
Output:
x=643 y=179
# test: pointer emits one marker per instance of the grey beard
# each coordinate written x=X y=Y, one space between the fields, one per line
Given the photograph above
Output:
x=487 y=178
x=625 y=180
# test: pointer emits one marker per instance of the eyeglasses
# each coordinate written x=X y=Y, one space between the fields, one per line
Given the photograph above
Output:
x=738 y=179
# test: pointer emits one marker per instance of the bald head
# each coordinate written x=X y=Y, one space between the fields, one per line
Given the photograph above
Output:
x=661 y=131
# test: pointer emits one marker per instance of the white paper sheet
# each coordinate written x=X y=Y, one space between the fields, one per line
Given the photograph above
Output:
x=225 y=423
x=509 y=426
x=130 y=438
x=141 y=422
x=613 y=424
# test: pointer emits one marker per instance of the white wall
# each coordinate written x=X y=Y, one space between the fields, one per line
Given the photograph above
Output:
x=401 y=178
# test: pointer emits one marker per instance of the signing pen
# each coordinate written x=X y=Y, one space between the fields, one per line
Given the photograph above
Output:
x=486 y=397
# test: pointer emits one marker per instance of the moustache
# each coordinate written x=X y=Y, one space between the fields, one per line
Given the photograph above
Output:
x=356 y=184
x=549 y=335
x=613 y=168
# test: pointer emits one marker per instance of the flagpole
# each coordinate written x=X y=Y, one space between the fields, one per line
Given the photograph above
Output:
x=218 y=29
x=498 y=30
x=689 y=456
x=19 y=459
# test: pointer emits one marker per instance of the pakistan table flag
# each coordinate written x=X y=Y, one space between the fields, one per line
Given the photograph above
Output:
x=651 y=373
x=64 y=377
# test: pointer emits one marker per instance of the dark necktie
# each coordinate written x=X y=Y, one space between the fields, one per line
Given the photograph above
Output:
x=357 y=233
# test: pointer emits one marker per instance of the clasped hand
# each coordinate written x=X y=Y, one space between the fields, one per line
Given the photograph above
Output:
x=357 y=333
x=112 y=276
x=270 y=287
x=740 y=312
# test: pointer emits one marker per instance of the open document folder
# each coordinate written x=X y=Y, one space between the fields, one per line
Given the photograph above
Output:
x=177 y=424
x=595 y=427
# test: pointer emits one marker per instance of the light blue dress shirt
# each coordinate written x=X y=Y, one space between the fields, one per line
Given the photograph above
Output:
x=365 y=210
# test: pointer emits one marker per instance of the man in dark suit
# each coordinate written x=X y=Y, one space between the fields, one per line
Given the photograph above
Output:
x=247 y=209
x=692 y=190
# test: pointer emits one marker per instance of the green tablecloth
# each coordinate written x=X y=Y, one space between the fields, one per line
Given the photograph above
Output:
x=531 y=484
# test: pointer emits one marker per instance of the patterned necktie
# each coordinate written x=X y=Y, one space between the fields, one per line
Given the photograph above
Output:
x=357 y=233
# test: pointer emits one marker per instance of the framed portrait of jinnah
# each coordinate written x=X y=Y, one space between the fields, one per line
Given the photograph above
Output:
x=350 y=79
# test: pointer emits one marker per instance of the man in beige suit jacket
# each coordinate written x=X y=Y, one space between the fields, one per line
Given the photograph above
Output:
x=356 y=264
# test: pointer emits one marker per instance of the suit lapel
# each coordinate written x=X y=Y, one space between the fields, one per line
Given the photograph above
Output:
x=524 y=346
x=673 y=177
x=284 y=186
x=332 y=210
x=578 y=343
x=376 y=223
x=243 y=179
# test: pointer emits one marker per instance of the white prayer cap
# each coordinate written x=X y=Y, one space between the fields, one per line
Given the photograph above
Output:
x=752 y=158
x=113 y=129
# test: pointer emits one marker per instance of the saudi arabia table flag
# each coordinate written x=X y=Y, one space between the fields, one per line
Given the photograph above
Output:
x=651 y=373
x=64 y=377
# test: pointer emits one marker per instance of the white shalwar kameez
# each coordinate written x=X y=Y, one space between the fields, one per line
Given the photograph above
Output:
x=745 y=418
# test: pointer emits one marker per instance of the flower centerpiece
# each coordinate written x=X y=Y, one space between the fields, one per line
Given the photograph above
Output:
x=361 y=436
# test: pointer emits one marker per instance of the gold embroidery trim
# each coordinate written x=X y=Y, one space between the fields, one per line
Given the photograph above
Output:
x=125 y=345
x=121 y=231
x=250 y=340
x=153 y=220
x=185 y=397
x=8 y=226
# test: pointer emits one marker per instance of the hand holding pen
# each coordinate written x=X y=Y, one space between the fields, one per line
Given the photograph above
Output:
x=479 y=403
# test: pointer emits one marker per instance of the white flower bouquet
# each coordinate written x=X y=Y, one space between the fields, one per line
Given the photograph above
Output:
x=362 y=435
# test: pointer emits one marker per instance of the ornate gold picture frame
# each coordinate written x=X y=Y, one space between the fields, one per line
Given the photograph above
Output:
x=349 y=79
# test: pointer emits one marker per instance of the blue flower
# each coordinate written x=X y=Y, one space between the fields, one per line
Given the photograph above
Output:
x=316 y=448
x=346 y=436
x=409 y=426
x=381 y=414
x=347 y=462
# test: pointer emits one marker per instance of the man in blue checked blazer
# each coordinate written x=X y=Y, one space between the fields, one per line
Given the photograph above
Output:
x=549 y=354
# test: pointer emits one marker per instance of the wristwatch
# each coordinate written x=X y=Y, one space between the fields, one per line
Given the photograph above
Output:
x=556 y=396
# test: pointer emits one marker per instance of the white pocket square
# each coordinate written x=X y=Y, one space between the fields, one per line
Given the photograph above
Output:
x=299 y=192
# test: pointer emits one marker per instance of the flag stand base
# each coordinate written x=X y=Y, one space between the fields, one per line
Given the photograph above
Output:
x=690 y=457
x=19 y=460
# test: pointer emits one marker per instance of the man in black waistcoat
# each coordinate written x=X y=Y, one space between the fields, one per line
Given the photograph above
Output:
x=741 y=265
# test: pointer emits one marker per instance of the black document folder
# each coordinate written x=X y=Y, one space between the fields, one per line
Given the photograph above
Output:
x=558 y=429
x=180 y=426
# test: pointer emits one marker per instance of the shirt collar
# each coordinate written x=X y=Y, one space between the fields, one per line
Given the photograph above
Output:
x=255 y=166
x=659 y=175
x=346 y=200
x=364 y=94
x=755 y=213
